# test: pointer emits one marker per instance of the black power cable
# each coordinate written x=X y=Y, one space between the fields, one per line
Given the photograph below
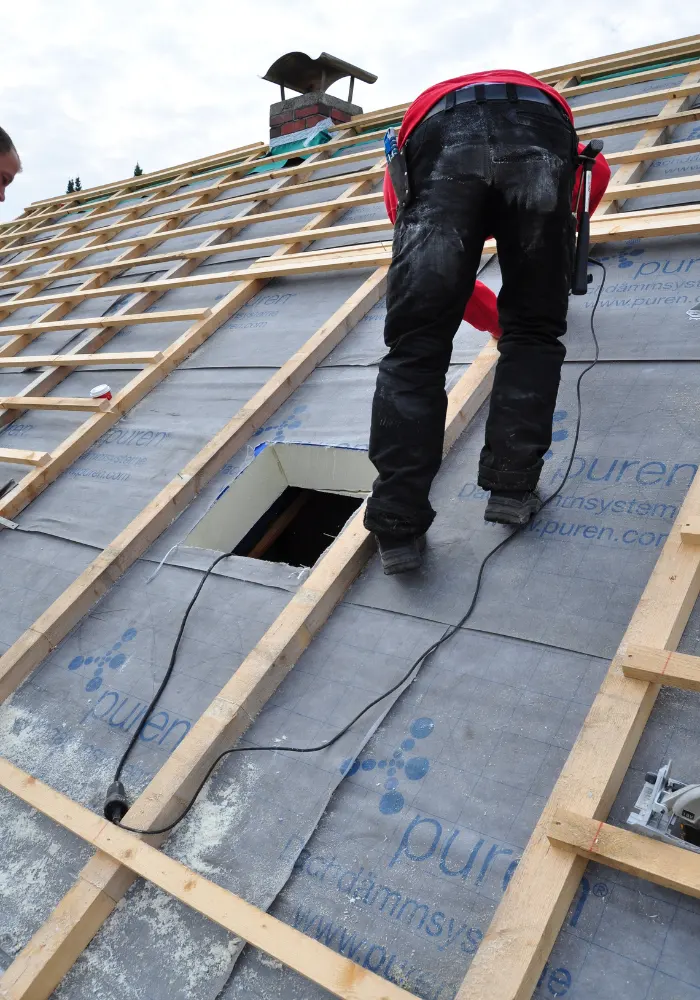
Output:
x=6 y=487
x=116 y=803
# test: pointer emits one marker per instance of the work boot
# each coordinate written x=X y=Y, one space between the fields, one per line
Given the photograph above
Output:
x=399 y=555
x=511 y=507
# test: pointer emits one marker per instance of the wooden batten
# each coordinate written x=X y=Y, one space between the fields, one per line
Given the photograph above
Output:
x=663 y=864
x=19 y=456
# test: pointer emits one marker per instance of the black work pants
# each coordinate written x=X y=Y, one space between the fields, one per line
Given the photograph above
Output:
x=495 y=168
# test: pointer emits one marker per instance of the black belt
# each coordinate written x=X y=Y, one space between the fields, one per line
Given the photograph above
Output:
x=492 y=92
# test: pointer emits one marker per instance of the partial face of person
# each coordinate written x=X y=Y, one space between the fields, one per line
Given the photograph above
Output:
x=9 y=167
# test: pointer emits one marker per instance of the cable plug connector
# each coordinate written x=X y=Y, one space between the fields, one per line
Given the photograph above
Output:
x=116 y=803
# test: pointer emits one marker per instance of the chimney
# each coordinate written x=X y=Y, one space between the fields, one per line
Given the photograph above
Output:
x=294 y=118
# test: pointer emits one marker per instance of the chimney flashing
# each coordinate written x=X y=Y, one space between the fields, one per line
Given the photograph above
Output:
x=304 y=136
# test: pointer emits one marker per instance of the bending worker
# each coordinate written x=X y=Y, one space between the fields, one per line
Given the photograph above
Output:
x=489 y=153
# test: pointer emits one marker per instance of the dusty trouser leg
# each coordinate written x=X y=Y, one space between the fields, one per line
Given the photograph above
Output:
x=438 y=240
x=534 y=232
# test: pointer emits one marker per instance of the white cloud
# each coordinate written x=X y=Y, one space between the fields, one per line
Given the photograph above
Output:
x=90 y=86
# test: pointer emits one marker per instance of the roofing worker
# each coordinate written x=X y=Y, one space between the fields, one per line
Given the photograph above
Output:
x=9 y=162
x=489 y=153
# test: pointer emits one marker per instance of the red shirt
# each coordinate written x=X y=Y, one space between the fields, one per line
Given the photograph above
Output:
x=481 y=311
x=425 y=101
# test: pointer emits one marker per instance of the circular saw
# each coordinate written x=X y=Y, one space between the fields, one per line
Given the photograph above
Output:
x=668 y=810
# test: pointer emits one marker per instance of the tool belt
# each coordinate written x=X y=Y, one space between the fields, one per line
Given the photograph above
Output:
x=479 y=93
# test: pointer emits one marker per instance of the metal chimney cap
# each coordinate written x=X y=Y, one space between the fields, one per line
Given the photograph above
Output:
x=300 y=72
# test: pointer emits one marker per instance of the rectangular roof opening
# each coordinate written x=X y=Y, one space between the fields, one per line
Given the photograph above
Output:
x=288 y=504
x=298 y=527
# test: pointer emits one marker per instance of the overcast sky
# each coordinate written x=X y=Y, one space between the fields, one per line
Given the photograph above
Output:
x=89 y=87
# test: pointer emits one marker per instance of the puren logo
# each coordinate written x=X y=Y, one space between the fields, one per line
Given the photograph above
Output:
x=623 y=257
x=289 y=423
x=413 y=768
x=113 y=658
x=559 y=433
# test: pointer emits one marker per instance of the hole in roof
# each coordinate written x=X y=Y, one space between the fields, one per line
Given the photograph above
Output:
x=288 y=504
x=298 y=527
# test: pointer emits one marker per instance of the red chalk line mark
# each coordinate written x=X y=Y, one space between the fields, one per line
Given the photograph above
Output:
x=595 y=836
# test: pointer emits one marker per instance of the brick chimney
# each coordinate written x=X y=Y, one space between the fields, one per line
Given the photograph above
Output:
x=310 y=78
